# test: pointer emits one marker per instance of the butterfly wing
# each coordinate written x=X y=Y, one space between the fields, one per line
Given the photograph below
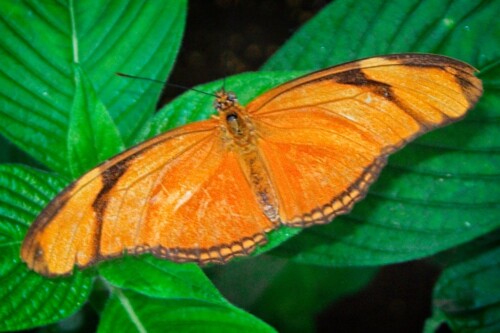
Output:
x=173 y=196
x=326 y=136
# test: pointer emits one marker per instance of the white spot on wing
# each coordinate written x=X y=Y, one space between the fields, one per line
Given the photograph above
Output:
x=368 y=98
x=182 y=200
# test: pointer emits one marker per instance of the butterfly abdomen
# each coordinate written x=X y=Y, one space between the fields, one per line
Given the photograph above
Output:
x=258 y=177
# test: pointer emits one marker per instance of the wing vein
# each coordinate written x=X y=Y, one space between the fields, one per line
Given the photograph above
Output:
x=317 y=129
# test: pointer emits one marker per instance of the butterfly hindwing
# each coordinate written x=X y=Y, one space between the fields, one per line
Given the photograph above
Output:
x=313 y=176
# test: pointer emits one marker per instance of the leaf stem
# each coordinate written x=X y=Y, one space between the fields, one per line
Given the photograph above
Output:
x=130 y=310
x=126 y=305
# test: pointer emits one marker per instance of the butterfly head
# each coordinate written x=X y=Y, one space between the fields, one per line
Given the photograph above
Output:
x=225 y=101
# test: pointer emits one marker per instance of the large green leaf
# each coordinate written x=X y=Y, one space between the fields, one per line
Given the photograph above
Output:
x=183 y=292
x=128 y=311
x=36 y=67
x=443 y=189
x=60 y=101
x=467 y=294
x=26 y=298
x=161 y=278
x=349 y=29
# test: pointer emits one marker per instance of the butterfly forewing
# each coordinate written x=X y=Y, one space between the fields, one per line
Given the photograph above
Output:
x=431 y=76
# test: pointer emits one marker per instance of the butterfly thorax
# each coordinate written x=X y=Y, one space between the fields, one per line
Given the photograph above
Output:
x=236 y=126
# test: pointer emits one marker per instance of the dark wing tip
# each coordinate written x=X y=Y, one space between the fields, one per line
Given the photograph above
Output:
x=464 y=73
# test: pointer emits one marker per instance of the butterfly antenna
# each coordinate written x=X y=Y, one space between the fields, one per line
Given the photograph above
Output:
x=226 y=64
x=164 y=83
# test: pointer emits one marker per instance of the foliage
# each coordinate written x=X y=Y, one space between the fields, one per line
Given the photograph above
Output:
x=61 y=103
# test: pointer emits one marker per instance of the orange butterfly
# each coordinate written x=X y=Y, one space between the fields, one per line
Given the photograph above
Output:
x=298 y=155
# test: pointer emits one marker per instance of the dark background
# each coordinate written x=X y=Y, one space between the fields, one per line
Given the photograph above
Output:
x=226 y=37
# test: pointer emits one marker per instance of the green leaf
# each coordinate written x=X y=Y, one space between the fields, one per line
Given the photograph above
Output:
x=27 y=299
x=184 y=294
x=160 y=278
x=350 y=29
x=467 y=294
x=128 y=311
x=36 y=71
x=166 y=285
x=263 y=285
x=439 y=191
x=92 y=135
